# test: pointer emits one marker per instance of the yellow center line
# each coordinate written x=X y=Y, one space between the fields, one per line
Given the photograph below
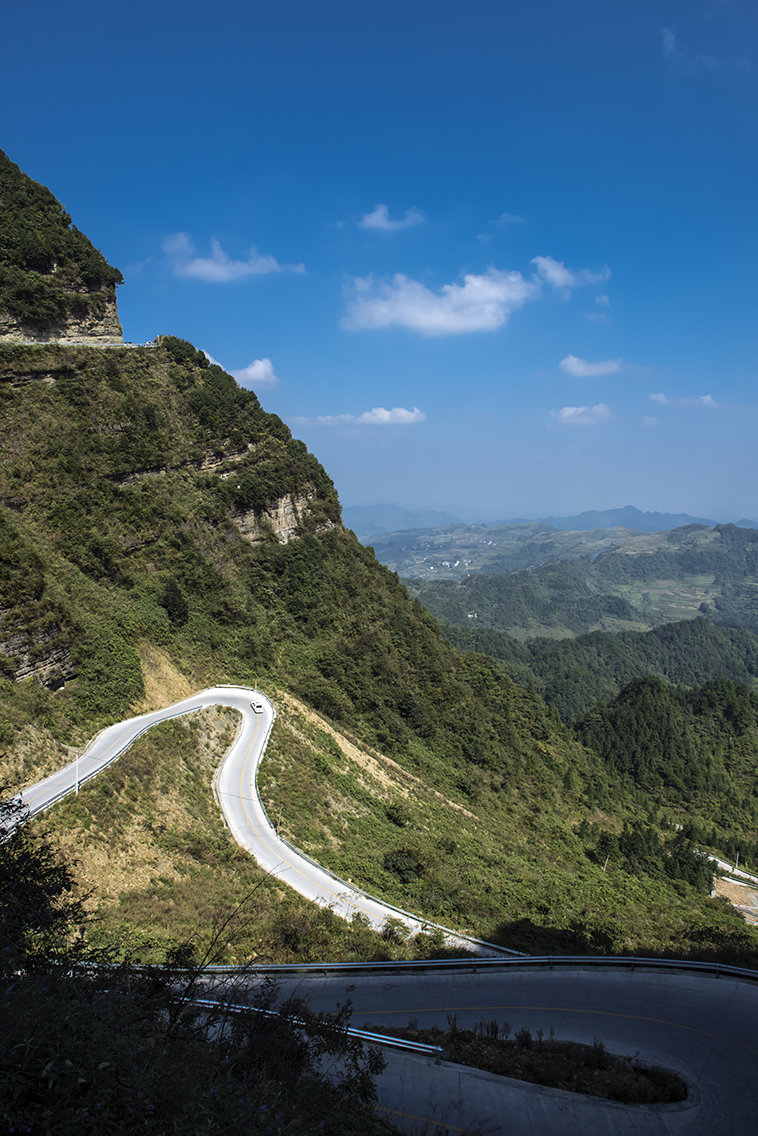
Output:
x=562 y=1010
x=428 y=1120
x=336 y=895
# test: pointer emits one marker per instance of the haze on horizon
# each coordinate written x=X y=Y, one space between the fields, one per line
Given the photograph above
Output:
x=487 y=258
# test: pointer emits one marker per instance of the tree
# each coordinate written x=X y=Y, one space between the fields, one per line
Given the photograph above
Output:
x=175 y=604
x=111 y=1047
x=40 y=912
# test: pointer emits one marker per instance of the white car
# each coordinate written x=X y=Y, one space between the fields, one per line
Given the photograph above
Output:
x=257 y=707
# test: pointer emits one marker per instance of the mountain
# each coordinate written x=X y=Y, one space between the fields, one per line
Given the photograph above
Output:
x=590 y=582
x=160 y=531
x=628 y=518
x=574 y=674
x=367 y=521
x=54 y=284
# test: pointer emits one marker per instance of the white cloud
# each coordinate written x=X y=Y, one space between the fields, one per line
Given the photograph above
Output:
x=507 y=219
x=378 y=416
x=398 y=416
x=684 y=60
x=218 y=268
x=480 y=303
x=582 y=415
x=259 y=373
x=704 y=400
x=687 y=63
x=581 y=369
x=379 y=219
x=603 y=301
x=649 y=421
x=555 y=273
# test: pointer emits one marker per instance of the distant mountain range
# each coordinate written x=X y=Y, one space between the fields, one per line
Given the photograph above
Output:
x=629 y=517
x=367 y=521
x=374 y=520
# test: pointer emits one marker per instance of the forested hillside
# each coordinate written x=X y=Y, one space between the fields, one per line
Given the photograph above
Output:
x=134 y=522
x=696 y=747
x=640 y=582
x=573 y=674
x=161 y=532
x=48 y=268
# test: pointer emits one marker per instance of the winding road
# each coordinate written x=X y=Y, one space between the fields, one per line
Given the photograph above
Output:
x=237 y=794
x=702 y=1025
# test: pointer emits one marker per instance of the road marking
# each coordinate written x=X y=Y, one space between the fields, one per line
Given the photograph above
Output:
x=428 y=1120
x=561 y=1010
x=343 y=896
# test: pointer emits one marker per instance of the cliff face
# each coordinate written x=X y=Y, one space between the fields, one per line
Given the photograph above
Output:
x=98 y=327
x=55 y=286
x=127 y=471
x=43 y=654
x=282 y=518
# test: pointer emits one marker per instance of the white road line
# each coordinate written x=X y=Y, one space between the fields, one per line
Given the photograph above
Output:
x=237 y=794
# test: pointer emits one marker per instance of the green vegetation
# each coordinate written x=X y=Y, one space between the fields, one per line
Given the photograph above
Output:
x=139 y=557
x=48 y=269
x=543 y=1060
x=149 y=839
x=131 y=478
x=519 y=866
x=693 y=747
x=640 y=851
x=574 y=585
x=87 y=1049
x=573 y=674
x=457 y=551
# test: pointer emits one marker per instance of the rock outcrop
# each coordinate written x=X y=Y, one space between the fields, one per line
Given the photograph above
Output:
x=55 y=286
x=99 y=327
x=43 y=654
x=281 y=518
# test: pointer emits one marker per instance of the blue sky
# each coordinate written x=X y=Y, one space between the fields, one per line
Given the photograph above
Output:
x=497 y=258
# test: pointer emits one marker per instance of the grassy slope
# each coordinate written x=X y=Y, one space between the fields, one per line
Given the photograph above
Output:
x=89 y=551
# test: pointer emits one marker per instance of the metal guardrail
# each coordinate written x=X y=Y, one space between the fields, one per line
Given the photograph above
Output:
x=515 y=958
x=82 y=780
x=362 y=1035
x=426 y=924
x=628 y=962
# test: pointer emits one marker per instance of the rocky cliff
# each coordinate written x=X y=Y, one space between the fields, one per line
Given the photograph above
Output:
x=96 y=326
x=55 y=286
x=281 y=518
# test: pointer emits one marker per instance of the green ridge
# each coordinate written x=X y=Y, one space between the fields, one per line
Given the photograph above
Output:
x=131 y=482
x=49 y=270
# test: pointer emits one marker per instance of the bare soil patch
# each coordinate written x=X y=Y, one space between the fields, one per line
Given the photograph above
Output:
x=375 y=764
x=742 y=896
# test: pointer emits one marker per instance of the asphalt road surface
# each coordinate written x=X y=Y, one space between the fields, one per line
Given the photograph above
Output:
x=243 y=811
x=701 y=1026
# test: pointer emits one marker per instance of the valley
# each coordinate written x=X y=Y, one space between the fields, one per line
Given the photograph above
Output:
x=547 y=768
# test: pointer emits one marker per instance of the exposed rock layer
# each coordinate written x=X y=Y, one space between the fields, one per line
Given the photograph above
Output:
x=282 y=518
x=97 y=328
